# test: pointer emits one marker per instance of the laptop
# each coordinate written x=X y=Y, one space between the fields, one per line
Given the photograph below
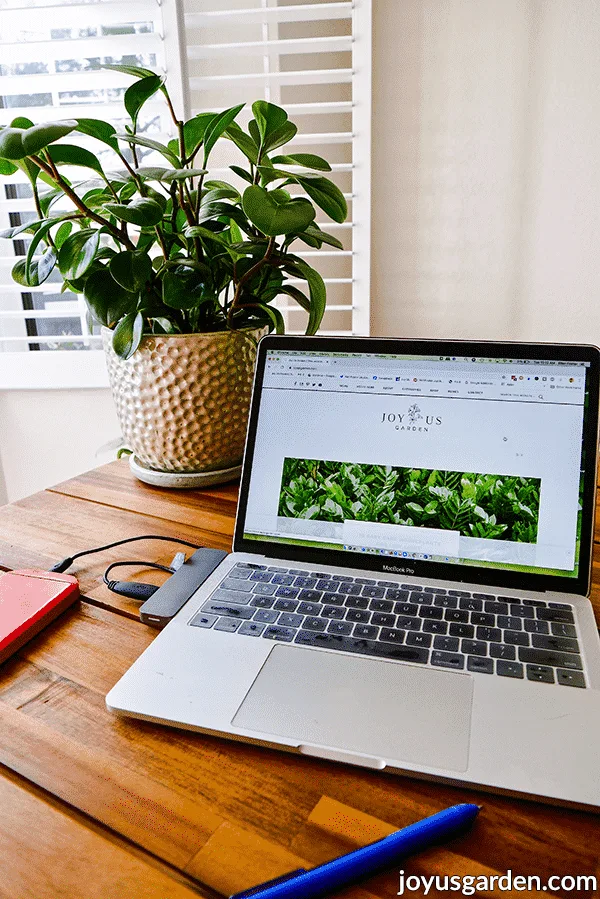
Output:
x=408 y=586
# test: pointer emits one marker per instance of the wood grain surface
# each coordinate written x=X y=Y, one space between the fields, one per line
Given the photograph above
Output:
x=100 y=807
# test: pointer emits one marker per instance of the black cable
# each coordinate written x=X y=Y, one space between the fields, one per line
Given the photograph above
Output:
x=139 y=563
x=134 y=590
x=66 y=563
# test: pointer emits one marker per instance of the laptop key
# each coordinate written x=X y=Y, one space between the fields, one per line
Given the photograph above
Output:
x=329 y=585
x=447 y=644
x=366 y=631
x=265 y=589
x=342 y=577
x=357 y=602
x=381 y=605
x=565 y=615
x=314 y=624
x=522 y=611
x=570 y=678
x=446 y=602
x=436 y=627
x=456 y=615
x=410 y=624
x=309 y=608
x=535 y=603
x=489 y=633
x=263 y=576
x=516 y=638
x=540 y=673
x=364 y=647
x=283 y=634
x=373 y=592
x=474 y=647
x=421 y=599
x=229 y=625
x=339 y=627
x=477 y=663
x=431 y=612
x=358 y=615
x=458 y=593
x=262 y=602
x=405 y=608
x=509 y=669
x=382 y=619
x=483 y=618
x=303 y=581
x=253 y=565
x=286 y=605
x=509 y=622
x=288 y=619
x=470 y=604
x=333 y=599
x=562 y=644
x=483 y=596
x=542 y=627
x=234 y=584
x=228 y=609
x=239 y=573
x=552 y=659
x=251 y=629
x=284 y=579
x=461 y=630
x=241 y=599
x=350 y=589
x=364 y=580
x=559 y=629
x=447 y=660
x=332 y=612
x=391 y=635
x=398 y=595
x=201 y=619
x=418 y=639
x=496 y=608
x=287 y=592
x=267 y=616
x=559 y=605
x=278 y=570
x=503 y=651
x=386 y=584
x=310 y=595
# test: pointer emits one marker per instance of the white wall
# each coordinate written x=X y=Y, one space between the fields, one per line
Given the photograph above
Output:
x=486 y=159
x=49 y=435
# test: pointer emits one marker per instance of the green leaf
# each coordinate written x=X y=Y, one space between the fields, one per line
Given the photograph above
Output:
x=274 y=314
x=7 y=168
x=139 y=92
x=11 y=143
x=102 y=131
x=39 y=235
x=181 y=174
x=326 y=195
x=136 y=71
x=314 y=231
x=318 y=294
x=131 y=270
x=215 y=129
x=269 y=118
x=77 y=253
x=46 y=264
x=128 y=334
x=182 y=291
x=193 y=131
x=142 y=212
x=308 y=160
x=48 y=197
x=292 y=291
x=243 y=141
x=152 y=145
x=69 y=154
x=241 y=173
x=38 y=137
x=108 y=301
x=21 y=122
x=62 y=234
x=19 y=275
x=279 y=137
x=272 y=218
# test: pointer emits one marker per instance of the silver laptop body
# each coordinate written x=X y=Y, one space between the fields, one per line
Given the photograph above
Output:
x=408 y=587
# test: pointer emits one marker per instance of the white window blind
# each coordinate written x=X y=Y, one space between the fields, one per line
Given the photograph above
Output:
x=312 y=57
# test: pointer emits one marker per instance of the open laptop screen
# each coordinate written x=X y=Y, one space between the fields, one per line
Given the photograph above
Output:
x=441 y=459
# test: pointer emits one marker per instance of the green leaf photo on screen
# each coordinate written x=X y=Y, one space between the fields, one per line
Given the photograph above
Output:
x=481 y=505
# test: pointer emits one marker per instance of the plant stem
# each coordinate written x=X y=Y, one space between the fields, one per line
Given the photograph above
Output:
x=235 y=303
x=52 y=171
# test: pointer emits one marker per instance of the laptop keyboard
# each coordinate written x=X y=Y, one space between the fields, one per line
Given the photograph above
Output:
x=477 y=632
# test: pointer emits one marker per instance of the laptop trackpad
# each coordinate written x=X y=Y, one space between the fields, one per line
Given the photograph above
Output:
x=394 y=712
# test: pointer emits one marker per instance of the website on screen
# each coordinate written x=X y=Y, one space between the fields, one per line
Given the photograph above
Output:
x=475 y=461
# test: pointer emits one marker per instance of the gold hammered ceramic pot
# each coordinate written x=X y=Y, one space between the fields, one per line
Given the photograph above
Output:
x=182 y=401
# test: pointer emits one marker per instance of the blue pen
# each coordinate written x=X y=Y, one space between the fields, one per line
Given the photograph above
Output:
x=367 y=861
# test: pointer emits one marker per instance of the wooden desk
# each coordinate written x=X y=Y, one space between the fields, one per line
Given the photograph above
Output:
x=100 y=808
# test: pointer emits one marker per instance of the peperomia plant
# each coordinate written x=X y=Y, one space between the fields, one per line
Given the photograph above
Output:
x=165 y=249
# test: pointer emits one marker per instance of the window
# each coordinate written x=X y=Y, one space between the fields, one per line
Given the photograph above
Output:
x=311 y=57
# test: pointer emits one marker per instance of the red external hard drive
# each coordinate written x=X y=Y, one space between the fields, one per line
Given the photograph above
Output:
x=29 y=600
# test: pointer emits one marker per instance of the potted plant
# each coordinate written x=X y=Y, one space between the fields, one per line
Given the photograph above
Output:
x=180 y=269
